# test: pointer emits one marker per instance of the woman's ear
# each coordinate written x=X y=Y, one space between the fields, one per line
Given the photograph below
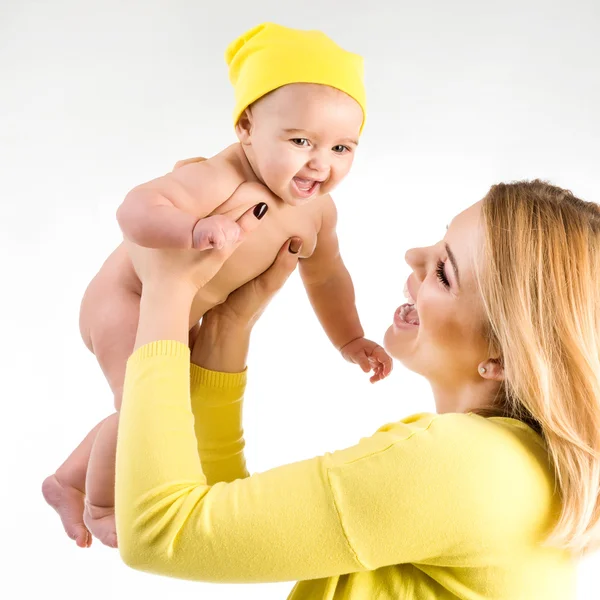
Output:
x=491 y=369
x=245 y=126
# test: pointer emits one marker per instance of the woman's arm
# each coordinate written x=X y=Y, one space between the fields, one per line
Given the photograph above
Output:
x=378 y=503
x=218 y=370
x=274 y=526
x=218 y=382
x=222 y=344
x=409 y=493
x=169 y=519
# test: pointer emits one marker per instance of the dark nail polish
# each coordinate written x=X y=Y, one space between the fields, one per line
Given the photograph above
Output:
x=295 y=246
x=260 y=210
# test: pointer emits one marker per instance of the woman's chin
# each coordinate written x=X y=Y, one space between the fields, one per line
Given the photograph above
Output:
x=399 y=345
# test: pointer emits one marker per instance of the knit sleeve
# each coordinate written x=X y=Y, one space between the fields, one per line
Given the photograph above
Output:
x=217 y=400
x=408 y=493
x=279 y=525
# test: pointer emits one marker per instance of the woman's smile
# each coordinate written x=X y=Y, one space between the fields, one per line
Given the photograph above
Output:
x=407 y=315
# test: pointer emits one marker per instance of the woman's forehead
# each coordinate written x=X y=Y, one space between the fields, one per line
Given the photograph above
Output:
x=463 y=236
x=468 y=218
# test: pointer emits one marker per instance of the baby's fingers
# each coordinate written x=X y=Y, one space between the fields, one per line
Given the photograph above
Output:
x=384 y=359
x=362 y=360
x=213 y=259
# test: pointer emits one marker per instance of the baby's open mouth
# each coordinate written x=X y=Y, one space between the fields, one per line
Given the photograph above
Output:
x=306 y=187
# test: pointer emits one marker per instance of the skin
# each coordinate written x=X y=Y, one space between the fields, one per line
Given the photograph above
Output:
x=304 y=131
x=449 y=347
x=290 y=139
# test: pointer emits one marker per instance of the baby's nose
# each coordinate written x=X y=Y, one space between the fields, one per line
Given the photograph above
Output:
x=319 y=165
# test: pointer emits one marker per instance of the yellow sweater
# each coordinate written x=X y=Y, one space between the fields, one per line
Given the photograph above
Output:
x=433 y=506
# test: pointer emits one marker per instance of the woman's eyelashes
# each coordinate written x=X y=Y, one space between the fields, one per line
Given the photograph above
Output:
x=441 y=274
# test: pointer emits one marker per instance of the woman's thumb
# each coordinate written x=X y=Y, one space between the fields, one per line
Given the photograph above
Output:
x=283 y=265
x=250 y=220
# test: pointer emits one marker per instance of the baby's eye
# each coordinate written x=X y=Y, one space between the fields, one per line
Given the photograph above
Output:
x=339 y=149
x=300 y=142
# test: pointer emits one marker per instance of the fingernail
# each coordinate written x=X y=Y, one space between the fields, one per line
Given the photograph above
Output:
x=260 y=210
x=295 y=245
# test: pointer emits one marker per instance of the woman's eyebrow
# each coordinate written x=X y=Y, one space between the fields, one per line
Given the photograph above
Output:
x=453 y=261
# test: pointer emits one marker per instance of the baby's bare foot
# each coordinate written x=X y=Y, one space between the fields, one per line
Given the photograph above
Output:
x=68 y=502
x=100 y=520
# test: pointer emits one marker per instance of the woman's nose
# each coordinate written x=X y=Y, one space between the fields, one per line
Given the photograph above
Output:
x=415 y=258
x=411 y=257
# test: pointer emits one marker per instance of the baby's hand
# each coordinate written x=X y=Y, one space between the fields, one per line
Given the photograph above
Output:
x=368 y=356
x=215 y=232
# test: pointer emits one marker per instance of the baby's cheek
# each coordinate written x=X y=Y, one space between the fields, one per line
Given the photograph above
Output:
x=281 y=166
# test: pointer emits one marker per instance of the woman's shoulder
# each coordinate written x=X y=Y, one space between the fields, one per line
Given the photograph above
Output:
x=467 y=429
x=465 y=448
x=504 y=442
x=494 y=472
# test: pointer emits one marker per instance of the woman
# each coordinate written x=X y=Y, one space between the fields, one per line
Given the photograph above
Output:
x=492 y=497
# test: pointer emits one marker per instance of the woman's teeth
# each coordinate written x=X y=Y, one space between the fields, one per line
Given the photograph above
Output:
x=408 y=314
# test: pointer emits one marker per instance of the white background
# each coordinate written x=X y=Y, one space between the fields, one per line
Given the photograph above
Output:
x=96 y=97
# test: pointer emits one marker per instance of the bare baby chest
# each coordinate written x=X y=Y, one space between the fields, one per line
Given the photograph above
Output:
x=259 y=249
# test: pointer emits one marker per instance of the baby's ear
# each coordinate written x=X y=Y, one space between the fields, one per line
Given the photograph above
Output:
x=244 y=126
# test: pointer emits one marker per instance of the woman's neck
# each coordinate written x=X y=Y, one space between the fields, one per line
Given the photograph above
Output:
x=463 y=397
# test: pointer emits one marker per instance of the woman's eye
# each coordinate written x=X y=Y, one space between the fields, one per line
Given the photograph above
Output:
x=300 y=142
x=441 y=274
x=339 y=149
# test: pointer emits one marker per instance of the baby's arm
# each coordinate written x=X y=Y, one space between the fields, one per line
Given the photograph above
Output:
x=168 y=212
x=329 y=285
x=331 y=294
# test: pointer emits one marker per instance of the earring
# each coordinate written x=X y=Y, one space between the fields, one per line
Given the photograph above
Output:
x=482 y=370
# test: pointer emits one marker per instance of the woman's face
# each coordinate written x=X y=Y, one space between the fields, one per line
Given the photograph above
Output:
x=442 y=336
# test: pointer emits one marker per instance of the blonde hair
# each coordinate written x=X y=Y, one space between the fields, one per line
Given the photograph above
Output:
x=540 y=283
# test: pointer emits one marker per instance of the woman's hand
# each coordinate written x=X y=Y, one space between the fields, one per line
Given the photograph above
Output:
x=188 y=269
x=221 y=343
x=245 y=305
x=171 y=279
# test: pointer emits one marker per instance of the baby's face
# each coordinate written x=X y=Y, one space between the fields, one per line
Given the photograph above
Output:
x=302 y=138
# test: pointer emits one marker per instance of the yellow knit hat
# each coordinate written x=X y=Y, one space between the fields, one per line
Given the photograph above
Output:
x=269 y=56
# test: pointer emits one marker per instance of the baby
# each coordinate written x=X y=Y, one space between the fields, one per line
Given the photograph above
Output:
x=299 y=112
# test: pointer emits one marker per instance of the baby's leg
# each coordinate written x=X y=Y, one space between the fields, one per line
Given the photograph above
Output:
x=112 y=338
x=112 y=354
x=65 y=490
x=99 y=514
